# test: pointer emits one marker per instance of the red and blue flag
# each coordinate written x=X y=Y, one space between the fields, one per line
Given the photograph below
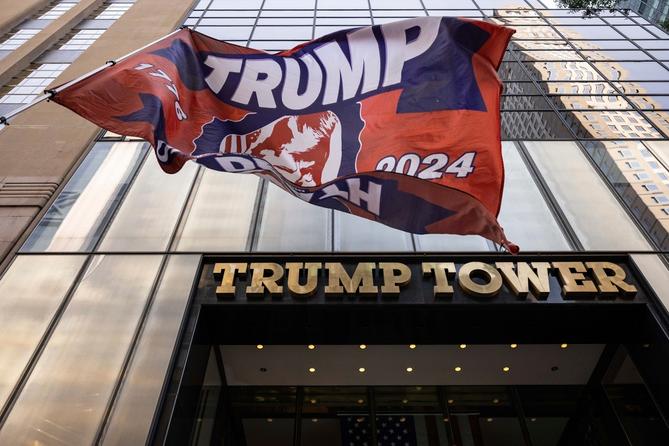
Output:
x=397 y=123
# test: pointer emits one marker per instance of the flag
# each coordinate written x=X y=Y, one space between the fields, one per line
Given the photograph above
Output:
x=397 y=123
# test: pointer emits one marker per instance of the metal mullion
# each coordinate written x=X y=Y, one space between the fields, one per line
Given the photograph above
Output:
x=578 y=51
x=371 y=397
x=371 y=16
x=550 y=200
x=185 y=209
x=130 y=353
x=446 y=414
x=520 y=413
x=313 y=23
x=119 y=205
x=297 y=427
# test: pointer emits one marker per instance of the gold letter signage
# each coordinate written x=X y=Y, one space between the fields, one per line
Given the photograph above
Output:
x=430 y=280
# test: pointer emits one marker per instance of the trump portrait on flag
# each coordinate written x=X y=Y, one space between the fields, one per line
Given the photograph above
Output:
x=397 y=123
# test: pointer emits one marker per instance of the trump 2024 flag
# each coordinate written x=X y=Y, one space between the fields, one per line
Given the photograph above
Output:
x=397 y=123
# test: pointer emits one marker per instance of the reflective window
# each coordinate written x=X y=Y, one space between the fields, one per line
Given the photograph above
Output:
x=291 y=224
x=596 y=216
x=220 y=215
x=147 y=217
x=30 y=292
x=76 y=219
x=68 y=390
x=133 y=411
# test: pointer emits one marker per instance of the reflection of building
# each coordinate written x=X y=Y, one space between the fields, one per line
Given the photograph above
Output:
x=656 y=11
x=118 y=326
x=583 y=94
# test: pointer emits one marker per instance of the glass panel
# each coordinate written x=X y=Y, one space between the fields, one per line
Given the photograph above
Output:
x=68 y=390
x=483 y=415
x=525 y=216
x=30 y=292
x=655 y=271
x=633 y=404
x=291 y=224
x=596 y=217
x=148 y=214
x=547 y=411
x=220 y=215
x=132 y=414
x=77 y=217
x=357 y=234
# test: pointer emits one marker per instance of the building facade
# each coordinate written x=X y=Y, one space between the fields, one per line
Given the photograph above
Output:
x=206 y=308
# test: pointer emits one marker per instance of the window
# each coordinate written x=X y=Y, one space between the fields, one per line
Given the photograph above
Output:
x=57 y=11
x=19 y=38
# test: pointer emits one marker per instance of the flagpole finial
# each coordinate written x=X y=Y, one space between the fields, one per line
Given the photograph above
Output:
x=3 y=120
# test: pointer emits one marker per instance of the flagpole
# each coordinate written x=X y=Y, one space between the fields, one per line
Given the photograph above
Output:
x=49 y=93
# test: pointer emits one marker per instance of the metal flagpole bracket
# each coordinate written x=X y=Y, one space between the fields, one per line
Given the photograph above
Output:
x=50 y=93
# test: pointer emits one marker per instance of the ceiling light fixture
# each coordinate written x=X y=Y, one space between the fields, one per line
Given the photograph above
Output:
x=458 y=369
x=506 y=368
x=260 y=346
x=514 y=345
x=463 y=346
x=363 y=346
x=311 y=346
x=451 y=401
x=409 y=369
x=361 y=370
x=564 y=345
x=412 y=346
x=312 y=370
x=361 y=401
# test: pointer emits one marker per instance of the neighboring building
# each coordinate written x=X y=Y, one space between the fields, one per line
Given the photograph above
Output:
x=120 y=325
x=656 y=11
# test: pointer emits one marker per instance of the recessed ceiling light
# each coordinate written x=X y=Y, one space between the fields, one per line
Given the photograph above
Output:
x=363 y=346
x=360 y=419
x=489 y=420
x=495 y=401
x=361 y=370
x=533 y=419
x=412 y=346
x=313 y=401
x=445 y=420
x=312 y=369
x=506 y=368
x=260 y=346
x=311 y=346
x=451 y=401
x=269 y=420
x=514 y=345
x=405 y=401
x=458 y=369
x=361 y=401
x=409 y=369
x=463 y=346
x=315 y=420
x=564 y=345
x=402 y=420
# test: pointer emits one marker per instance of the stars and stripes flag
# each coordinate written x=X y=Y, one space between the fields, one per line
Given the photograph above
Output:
x=397 y=123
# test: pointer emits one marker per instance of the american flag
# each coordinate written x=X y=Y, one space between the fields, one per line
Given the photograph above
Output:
x=390 y=431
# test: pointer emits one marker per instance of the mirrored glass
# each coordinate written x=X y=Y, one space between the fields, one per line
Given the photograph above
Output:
x=146 y=219
x=30 y=292
x=524 y=215
x=353 y=233
x=220 y=215
x=291 y=224
x=67 y=392
x=131 y=417
x=596 y=216
x=77 y=217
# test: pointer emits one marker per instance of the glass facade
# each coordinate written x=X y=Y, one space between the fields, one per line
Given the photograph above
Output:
x=92 y=334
